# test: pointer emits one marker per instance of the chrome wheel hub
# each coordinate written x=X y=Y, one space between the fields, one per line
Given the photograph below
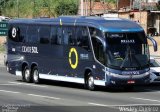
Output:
x=27 y=74
x=35 y=75
x=90 y=82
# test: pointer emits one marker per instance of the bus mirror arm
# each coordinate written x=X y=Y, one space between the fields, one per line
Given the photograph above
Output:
x=104 y=46
x=153 y=42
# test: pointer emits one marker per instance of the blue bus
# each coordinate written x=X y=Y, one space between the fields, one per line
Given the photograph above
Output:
x=93 y=51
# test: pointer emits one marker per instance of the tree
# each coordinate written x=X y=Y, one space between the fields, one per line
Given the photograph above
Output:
x=111 y=1
x=158 y=5
x=39 y=8
x=66 y=7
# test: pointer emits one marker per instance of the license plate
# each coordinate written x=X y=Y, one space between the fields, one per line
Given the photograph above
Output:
x=130 y=82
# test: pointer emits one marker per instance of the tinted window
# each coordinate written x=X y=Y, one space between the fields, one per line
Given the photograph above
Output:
x=68 y=35
x=95 y=32
x=44 y=34
x=59 y=36
x=32 y=34
x=53 y=35
x=98 y=50
x=82 y=37
x=126 y=38
x=22 y=35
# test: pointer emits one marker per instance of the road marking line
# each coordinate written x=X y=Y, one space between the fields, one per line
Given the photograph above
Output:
x=44 y=96
x=6 y=91
x=96 y=104
x=7 y=84
x=28 y=84
x=9 y=91
x=145 y=99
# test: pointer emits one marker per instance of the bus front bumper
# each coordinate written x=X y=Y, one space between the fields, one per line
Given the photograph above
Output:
x=124 y=80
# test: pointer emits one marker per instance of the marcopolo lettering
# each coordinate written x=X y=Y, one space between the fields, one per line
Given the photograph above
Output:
x=130 y=73
x=127 y=41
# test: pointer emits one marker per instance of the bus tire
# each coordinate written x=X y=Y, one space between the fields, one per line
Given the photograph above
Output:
x=90 y=82
x=26 y=76
x=35 y=74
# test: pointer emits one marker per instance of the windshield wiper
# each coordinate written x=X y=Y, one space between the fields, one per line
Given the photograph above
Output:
x=131 y=57
x=126 y=58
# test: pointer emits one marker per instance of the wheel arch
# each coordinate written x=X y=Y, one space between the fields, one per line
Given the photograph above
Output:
x=34 y=64
x=24 y=64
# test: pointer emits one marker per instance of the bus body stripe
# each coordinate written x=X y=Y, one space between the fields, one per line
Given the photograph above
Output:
x=69 y=79
x=64 y=78
x=61 y=78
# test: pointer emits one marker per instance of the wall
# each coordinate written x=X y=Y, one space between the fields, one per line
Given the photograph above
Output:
x=124 y=3
x=140 y=17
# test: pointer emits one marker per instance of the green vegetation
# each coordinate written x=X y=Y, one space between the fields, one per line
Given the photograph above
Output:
x=65 y=7
x=2 y=48
x=41 y=8
x=112 y=1
x=38 y=8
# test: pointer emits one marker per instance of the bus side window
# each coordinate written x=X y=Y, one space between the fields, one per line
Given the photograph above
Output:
x=44 y=34
x=53 y=35
x=22 y=36
x=68 y=35
x=32 y=34
x=59 y=36
x=82 y=37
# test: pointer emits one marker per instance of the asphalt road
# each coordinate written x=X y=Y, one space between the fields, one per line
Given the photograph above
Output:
x=50 y=96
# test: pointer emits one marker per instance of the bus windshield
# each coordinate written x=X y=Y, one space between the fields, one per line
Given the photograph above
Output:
x=127 y=50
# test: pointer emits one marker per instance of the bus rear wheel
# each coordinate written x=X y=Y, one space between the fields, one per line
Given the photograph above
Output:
x=35 y=74
x=90 y=82
x=26 y=75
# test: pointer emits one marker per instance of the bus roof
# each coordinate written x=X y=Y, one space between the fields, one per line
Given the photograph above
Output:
x=104 y=24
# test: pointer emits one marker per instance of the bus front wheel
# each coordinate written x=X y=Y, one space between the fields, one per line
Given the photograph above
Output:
x=35 y=74
x=90 y=82
x=26 y=75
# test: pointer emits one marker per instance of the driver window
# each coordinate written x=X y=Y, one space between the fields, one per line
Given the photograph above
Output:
x=97 y=45
x=95 y=32
x=98 y=50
